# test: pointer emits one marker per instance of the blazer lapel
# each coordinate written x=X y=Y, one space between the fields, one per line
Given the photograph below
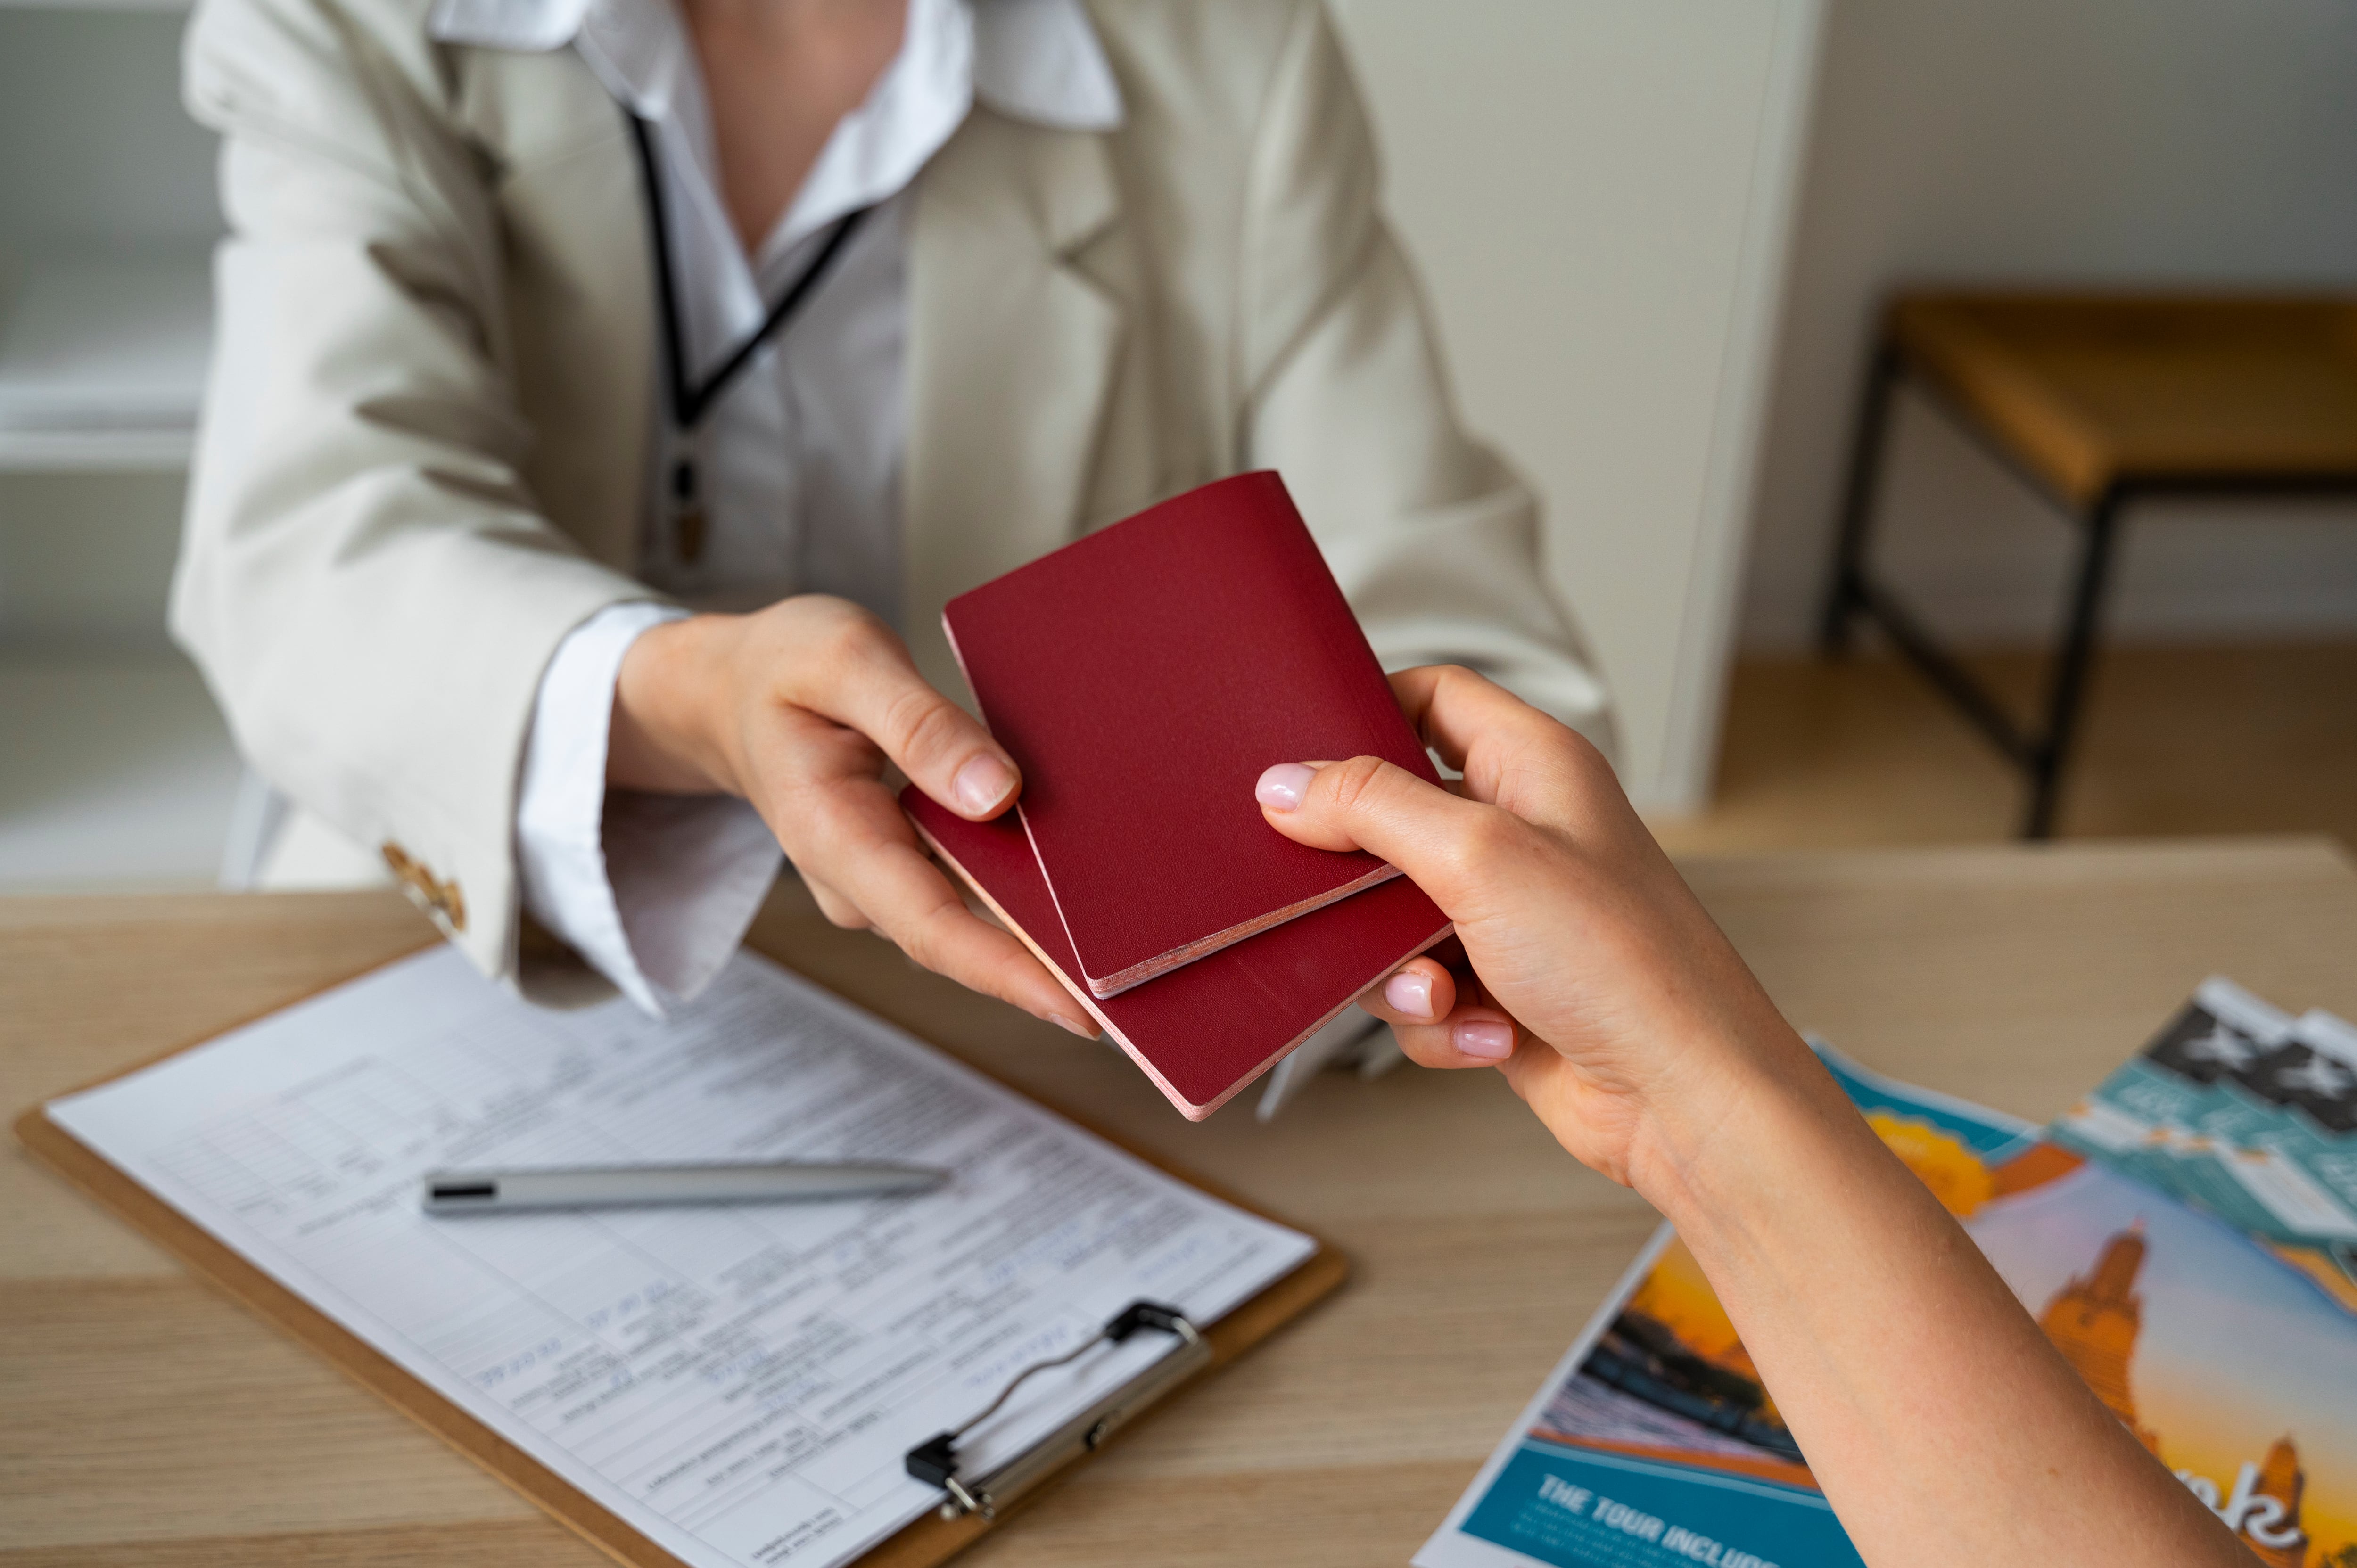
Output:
x=1013 y=350
x=580 y=289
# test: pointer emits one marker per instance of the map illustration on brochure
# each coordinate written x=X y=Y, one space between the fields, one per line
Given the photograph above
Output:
x=2184 y=1236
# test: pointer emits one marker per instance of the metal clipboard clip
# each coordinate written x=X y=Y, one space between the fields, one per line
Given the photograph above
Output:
x=935 y=1461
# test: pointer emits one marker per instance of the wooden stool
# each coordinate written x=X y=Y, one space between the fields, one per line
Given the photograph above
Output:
x=2097 y=401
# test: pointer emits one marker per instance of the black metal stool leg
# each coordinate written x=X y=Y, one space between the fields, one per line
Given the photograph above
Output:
x=1845 y=596
x=2068 y=685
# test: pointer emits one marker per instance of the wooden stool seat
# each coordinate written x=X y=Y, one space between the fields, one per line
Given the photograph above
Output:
x=2098 y=401
x=2089 y=391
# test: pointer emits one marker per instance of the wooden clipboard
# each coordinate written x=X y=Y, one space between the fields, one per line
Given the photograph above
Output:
x=929 y=1540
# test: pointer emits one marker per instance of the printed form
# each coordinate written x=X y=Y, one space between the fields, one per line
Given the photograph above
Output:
x=739 y=1383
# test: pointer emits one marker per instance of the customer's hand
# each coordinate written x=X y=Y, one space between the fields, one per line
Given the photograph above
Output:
x=1933 y=1412
x=799 y=708
x=1600 y=985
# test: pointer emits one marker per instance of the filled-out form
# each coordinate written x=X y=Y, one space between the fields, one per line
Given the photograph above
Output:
x=740 y=1383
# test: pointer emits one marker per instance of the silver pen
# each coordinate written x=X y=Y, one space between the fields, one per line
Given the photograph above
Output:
x=631 y=1186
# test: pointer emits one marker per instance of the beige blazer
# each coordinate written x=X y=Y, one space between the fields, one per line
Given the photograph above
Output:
x=423 y=455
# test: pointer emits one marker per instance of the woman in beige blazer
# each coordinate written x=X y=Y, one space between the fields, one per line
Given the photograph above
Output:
x=1113 y=250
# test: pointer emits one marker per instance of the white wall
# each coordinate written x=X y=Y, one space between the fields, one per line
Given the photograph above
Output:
x=2104 y=142
x=1595 y=193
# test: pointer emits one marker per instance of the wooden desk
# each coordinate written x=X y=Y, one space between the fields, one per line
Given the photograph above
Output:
x=144 y=1420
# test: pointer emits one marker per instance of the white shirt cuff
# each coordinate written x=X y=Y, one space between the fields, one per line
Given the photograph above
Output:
x=655 y=891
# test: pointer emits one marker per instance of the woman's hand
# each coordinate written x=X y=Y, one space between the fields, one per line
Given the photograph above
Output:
x=1602 y=988
x=798 y=708
x=1939 y=1421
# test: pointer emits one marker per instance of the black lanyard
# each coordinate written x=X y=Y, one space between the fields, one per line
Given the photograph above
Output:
x=691 y=401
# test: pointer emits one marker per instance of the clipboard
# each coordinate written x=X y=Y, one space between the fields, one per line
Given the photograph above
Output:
x=934 y=1538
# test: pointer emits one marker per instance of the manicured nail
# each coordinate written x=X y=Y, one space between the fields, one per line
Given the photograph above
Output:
x=1484 y=1038
x=1085 y=1031
x=1409 y=992
x=1282 y=786
x=982 y=783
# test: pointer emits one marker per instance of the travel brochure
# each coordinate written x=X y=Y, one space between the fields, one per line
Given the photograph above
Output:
x=2186 y=1235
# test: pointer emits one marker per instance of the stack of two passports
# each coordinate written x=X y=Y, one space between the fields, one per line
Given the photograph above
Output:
x=1142 y=678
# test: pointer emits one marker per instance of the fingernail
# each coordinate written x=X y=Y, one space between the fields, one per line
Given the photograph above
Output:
x=1282 y=786
x=1085 y=1031
x=1409 y=992
x=982 y=783
x=1484 y=1038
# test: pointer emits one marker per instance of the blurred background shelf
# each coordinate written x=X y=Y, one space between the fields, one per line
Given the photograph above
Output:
x=120 y=773
x=102 y=357
x=117 y=769
x=171 y=7
x=94 y=451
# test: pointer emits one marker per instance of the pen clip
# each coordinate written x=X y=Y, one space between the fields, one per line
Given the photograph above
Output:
x=935 y=1461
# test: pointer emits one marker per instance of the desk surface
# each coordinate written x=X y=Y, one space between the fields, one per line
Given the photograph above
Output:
x=150 y=1420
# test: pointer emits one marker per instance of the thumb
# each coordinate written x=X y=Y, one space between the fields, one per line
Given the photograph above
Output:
x=1367 y=803
x=875 y=690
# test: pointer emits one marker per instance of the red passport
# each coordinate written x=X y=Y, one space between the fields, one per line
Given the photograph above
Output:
x=1204 y=1031
x=1142 y=678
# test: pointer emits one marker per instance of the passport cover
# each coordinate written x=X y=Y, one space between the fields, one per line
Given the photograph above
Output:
x=1142 y=678
x=1206 y=1030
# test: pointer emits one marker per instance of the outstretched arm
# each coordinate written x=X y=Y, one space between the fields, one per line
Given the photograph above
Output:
x=1942 y=1425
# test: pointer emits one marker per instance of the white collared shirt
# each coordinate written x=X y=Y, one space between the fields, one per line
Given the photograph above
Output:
x=799 y=461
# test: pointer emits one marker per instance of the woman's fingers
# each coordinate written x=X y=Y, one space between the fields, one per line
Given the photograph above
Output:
x=1474 y=1037
x=1419 y=992
x=865 y=680
x=1452 y=708
x=838 y=909
x=1440 y=1020
x=848 y=837
x=1443 y=842
x=1511 y=754
x=913 y=904
x=1471 y=1036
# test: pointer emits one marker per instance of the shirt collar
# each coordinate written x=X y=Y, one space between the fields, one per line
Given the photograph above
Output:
x=1033 y=60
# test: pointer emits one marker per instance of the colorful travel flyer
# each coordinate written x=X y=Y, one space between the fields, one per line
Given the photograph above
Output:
x=1654 y=1444
x=2246 y=1114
